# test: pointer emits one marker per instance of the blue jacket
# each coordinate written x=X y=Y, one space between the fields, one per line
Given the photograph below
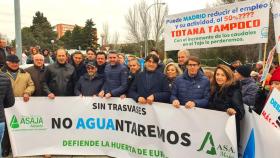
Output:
x=148 y=83
x=249 y=91
x=87 y=86
x=186 y=88
x=115 y=79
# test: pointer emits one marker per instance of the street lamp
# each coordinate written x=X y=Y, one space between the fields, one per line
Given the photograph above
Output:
x=146 y=29
x=102 y=41
x=52 y=41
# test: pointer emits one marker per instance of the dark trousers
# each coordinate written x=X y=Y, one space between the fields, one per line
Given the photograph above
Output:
x=6 y=145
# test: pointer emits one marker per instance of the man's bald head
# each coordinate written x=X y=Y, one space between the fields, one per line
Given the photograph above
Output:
x=38 y=60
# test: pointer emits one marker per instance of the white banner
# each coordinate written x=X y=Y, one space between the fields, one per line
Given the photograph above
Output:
x=276 y=20
x=271 y=111
x=258 y=138
x=118 y=128
x=239 y=23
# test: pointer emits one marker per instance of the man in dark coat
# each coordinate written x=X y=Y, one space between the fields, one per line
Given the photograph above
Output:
x=249 y=86
x=37 y=72
x=115 y=78
x=192 y=88
x=101 y=62
x=78 y=63
x=134 y=69
x=150 y=85
x=91 y=55
x=7 y=99
x=59 y=80
x=89 y=84
x=161 y=65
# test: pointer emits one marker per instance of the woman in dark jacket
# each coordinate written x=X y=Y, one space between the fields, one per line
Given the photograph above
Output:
x=172 y=71
x=226 y=95
x=150 y=85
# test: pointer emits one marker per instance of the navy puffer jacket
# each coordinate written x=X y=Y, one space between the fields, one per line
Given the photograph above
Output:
x=150 y=83
x=115 y=79
x=186 y=88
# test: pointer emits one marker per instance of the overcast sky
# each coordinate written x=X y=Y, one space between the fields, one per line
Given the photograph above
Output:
x=77 y=11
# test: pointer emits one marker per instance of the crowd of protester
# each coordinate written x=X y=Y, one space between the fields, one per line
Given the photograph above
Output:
x=227 y=88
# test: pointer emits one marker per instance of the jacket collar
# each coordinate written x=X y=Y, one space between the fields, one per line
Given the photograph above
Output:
x=87 y=77
x=198 y=75
x=246 y=81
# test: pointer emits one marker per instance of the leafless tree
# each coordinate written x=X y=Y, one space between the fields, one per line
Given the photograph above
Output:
x=115 y=40
x=142 y=22
x=133 y=25
x=160 y=11
x=105 y=33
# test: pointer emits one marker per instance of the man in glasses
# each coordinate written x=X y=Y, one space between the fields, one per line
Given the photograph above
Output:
x=37 y=72
x=192 y=88
x=89 y=84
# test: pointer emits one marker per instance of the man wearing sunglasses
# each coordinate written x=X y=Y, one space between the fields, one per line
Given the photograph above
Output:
x=89 y=84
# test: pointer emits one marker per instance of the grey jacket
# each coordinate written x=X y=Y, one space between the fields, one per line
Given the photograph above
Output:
x=249 y=91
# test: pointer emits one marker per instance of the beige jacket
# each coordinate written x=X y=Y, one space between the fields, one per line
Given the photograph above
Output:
x=23 y=83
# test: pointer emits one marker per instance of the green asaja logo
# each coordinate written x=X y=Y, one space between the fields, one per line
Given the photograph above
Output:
x=225 y=151
x=212 y=150
x=26 y=122
x=14 y=122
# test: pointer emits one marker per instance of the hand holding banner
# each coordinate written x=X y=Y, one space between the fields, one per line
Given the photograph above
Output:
x=118 y=128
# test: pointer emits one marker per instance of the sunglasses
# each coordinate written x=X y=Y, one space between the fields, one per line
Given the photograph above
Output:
x=90 y=68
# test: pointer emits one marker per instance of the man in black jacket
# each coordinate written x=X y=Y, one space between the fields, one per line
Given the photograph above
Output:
x=37 y=72
x=79 y=65
x=59 y=77
x=7 y=99
x=150 y=85
x=101 y=58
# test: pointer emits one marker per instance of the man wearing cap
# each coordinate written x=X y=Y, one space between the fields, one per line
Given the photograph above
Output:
x=22 y=83
x=89 y=84
x=249 y=86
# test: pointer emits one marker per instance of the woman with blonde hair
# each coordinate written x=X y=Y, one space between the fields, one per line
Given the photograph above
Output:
x=171 y=71
x=226 y=95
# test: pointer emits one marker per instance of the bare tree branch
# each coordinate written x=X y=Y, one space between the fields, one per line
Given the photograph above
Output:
x=133 y=25
x=160 y=12
x=115 y=40
x=106 y=33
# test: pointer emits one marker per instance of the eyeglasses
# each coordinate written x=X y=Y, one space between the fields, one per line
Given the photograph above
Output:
x=192 y=65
